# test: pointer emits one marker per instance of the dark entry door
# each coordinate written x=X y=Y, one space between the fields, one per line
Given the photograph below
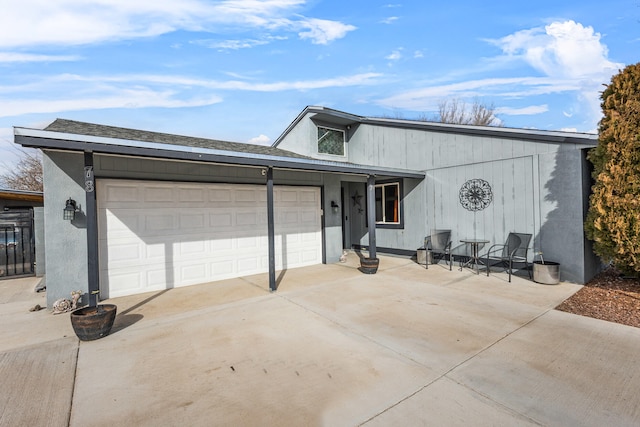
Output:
x=17 y=244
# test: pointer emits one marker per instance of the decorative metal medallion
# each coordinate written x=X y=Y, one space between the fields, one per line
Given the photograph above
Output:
x=475 y=195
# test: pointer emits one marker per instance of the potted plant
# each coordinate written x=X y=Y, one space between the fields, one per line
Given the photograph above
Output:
x=546 y=272
x=94 y=321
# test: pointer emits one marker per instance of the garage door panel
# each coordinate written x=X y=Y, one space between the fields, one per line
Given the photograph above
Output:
x=220 y=195
x=135 y=283
x=248 y=265
x=192 y=221
x=245 y=196
x=193 y=247
x=159 y=222
x=222 y=220
x=122 y=193
x=125 y=251
x=156 y=278
x=192 y=195
x=287 y=196
x=153 y=236
x=120 y=222
x=194 y=273
x=309 y=256
x=159 y=194
x=223 y=268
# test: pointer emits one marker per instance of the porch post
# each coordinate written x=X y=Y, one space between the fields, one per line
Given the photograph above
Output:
x=271 y=231
x=371 y=214
x=92 y=230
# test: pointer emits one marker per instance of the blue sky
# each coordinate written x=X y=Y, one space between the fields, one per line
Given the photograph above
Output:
x=242 y=70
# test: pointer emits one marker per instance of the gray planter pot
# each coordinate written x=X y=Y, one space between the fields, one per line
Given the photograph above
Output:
x=424 y=256
x=547 y=273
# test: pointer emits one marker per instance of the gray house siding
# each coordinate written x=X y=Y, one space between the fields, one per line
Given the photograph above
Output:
x=539 y=187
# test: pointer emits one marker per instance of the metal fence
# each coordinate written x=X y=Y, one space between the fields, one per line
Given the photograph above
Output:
x=17 y=243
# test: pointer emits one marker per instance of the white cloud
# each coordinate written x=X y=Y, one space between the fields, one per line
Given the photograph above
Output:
x=394 y=56
x=524 y=111
x=71 y=92
x=390 y=20
x=321 y=31
x=561 y=50
x=6 y=57
x=131 y=98
x=260 y=140
x=563 y=58
x=231 y=44
x=427 y=98
x=175 y=81
x=418 y=54
x=76 y=22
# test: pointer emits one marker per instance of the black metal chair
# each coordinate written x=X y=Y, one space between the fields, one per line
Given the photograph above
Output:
x=439 y=243
x=514 y=250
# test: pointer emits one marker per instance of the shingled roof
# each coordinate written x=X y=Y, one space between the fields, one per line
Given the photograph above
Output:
x=91 y=129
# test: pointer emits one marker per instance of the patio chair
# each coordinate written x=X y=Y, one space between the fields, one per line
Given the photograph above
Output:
x=514 y=250
x=439 y=243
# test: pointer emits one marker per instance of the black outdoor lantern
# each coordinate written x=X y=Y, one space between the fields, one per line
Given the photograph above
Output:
x=335 y=207
x=69 y=211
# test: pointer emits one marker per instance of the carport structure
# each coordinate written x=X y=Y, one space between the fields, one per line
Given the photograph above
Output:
x=140 y=189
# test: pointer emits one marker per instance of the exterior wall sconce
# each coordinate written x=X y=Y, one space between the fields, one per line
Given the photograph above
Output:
x=69 y=211
x=334 y=207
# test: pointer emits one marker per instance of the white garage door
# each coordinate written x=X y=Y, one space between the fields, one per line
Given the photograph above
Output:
x=159 y=235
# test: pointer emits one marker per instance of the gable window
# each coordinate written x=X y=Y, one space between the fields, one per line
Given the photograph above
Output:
x=330 y=141
x=388 y=203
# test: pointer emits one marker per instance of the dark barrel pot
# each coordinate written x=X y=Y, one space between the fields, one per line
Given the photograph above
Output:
x=91 y=323
x=369 y=265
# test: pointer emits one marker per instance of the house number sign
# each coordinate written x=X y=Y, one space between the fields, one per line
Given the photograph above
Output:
x=88 y=179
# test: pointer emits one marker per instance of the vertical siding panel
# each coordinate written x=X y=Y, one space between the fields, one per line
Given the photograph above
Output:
x=528 y=199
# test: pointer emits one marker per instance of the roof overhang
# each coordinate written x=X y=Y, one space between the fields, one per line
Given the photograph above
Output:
x=35 y=138
x=341 y=118
x=21 y=195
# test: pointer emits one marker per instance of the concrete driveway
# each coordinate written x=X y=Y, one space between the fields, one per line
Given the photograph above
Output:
x=335 y=347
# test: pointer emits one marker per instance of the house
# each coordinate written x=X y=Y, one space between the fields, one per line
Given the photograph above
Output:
x=153 y=211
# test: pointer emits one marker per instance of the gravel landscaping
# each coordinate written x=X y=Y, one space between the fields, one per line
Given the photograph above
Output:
x=609 y=296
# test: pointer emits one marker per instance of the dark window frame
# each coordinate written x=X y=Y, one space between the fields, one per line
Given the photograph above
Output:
x=334 y=129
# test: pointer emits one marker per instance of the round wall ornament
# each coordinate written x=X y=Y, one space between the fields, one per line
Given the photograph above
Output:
x=475 y=195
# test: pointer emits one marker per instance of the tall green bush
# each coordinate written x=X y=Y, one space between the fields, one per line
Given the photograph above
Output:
x=613 y=220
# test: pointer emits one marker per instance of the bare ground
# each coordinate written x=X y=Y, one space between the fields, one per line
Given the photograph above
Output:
x=608 y=296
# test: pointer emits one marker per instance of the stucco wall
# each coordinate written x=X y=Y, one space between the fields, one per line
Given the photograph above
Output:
x=66 y=242
x=563 y=193
x=38 y=232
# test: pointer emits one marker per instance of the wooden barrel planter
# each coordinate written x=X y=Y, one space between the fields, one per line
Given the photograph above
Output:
x=369 y=265
x=91 y=323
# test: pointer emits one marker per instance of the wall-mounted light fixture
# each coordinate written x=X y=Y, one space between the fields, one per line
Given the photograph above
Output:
x=69 y=211
x=334 y=207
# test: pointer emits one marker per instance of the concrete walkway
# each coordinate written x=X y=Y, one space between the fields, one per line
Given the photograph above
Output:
x=335 y=347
